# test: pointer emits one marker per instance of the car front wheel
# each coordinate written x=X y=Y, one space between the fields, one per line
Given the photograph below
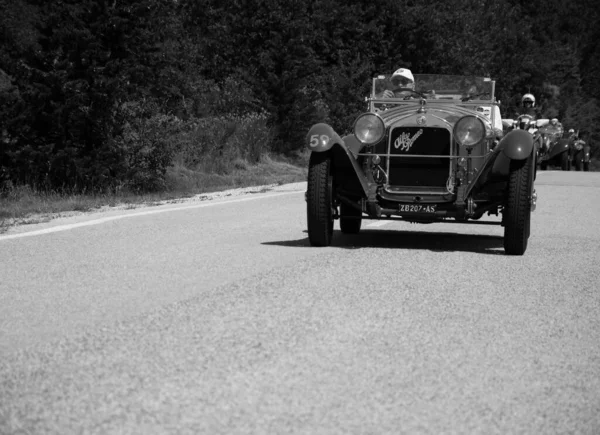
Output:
x=517 y=210
x=350 y=219
x=319 y=200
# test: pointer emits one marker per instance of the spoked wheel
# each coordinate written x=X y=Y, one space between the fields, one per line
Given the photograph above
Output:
x=517 y=211
x=319 y=200
x=350 y=219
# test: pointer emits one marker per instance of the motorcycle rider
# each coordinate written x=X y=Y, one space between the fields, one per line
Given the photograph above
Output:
x=528 y=104
x=528 y=108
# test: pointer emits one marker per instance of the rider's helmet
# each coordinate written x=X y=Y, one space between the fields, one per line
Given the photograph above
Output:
x=528 y=100
x=571 y=131
x=554 y=121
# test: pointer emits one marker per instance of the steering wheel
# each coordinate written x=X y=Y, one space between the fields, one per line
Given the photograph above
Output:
x=412 y=91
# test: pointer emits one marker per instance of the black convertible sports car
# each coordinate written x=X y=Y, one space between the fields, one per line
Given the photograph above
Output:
x=436 y=154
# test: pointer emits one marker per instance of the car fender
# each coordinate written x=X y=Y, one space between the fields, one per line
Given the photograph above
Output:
x=515 y=145
x=559 y=147
x=322 y=137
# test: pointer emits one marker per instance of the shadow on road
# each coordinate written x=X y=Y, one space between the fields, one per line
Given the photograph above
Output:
x=440 y=242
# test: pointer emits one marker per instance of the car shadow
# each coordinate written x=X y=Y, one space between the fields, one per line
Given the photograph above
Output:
x=394 y=239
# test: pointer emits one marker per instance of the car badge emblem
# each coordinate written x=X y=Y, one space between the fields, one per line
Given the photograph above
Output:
x=405 y=142
x=421 y=120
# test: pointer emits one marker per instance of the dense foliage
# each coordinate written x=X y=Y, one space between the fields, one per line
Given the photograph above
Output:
x=106 y=94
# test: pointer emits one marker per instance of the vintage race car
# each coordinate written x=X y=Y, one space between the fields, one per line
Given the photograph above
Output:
x=552 y=148
x=436 y=154
x=555 y=149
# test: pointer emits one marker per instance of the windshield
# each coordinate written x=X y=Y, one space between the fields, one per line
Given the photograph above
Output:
x=552 y=130
x=441 y=87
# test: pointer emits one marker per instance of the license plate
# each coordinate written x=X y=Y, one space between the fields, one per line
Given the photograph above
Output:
x=417 y=208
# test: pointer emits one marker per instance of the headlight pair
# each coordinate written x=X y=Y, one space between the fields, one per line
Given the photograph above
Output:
x=469 y=131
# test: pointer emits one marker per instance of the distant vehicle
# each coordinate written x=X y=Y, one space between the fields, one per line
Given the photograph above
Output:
x=438 y=154
x=580 y=155
x=555 y=148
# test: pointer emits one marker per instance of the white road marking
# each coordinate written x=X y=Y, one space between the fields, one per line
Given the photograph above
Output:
x=378 y=224
x=67 y=227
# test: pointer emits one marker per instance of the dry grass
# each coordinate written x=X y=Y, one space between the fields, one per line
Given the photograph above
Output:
x=22 y=205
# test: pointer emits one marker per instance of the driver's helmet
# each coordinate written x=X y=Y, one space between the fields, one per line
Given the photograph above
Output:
x=403 y=78
x=571 y=131
x=528 y=100
x=554 y=121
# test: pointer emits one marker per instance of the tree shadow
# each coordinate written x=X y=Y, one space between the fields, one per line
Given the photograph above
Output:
x=397 y=239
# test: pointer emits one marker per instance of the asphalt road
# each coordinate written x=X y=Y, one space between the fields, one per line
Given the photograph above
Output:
x=217 y=317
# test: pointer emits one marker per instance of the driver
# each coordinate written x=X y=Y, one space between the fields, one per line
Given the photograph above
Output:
x=402 y=82
x=555 y=123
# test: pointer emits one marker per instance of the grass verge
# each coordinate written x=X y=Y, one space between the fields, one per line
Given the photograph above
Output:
x=22 y=205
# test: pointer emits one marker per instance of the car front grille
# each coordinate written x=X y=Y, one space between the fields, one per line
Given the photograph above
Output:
x=419 y=157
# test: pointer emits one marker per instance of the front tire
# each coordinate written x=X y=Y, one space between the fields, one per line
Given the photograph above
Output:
x=517 y=211
x=319 y=200
x=350 y=219
x=586 y=166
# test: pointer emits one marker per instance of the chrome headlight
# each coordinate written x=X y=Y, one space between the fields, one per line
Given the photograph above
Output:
x=369 y=128
x=469 y=131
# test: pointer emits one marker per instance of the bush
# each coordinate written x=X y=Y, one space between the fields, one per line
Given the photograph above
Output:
x=213 y=143
x=146 y=144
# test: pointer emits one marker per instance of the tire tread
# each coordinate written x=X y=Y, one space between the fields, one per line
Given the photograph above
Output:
x=517 y=213
x=318 y=202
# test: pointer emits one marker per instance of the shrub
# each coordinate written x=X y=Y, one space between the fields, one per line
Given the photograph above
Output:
x=146 y=144
x=213 y=143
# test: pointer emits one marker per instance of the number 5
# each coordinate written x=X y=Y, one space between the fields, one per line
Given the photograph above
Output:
x=314 y=140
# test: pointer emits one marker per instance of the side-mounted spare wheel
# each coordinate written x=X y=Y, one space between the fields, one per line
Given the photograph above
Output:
x=350 y=219
x=319 y=199
x=517 y=210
